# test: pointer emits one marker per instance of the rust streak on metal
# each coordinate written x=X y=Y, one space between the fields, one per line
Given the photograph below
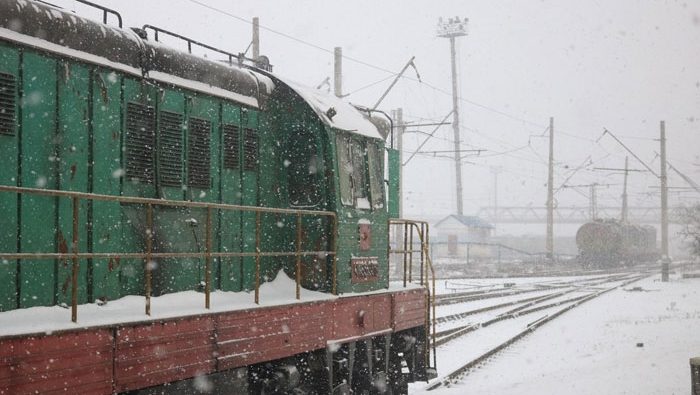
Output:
x=410 y=256
x=334 y=246
x=158 y=202
x=298 y=260
x=207 y=270
x=405 y=247
x=158 y=255
x=257 y=257
x=149 y=248
x=74 y=285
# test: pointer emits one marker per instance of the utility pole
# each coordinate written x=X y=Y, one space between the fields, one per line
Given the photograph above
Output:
x=593 y=203
x=256 y=38
x=338 y=72
x=664 y=207
x=495 y=171
x=664 y=195
x=452 y=29
x=550 y=195
x=624 y=215
x=400 y=130
x=624 y=193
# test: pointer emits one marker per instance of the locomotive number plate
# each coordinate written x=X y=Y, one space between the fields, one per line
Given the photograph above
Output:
x=365 y=269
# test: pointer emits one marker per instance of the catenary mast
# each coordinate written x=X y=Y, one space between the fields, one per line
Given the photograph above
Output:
x=453 y=28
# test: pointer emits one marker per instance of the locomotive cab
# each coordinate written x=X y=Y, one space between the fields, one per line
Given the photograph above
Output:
x=333 y=159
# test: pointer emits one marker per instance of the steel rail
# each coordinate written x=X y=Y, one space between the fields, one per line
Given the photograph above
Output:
x=460 y=372
x=447 y=299
x=528 y=302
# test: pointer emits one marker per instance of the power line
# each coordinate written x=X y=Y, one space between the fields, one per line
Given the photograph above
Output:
x=290 y=37
x=364 y=63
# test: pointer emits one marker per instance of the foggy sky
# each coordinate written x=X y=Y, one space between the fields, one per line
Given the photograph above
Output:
x=621 y=65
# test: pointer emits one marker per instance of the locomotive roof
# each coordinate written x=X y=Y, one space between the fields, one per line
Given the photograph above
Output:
x=52 y=29
x=346 y=117
x=29 y=23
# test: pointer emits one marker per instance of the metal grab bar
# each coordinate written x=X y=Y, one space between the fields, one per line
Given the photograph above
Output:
x=427 y=272
x=104 y=9
x=240 y=57
x=75 y=255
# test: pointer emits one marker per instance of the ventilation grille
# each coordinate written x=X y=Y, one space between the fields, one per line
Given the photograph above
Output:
x=8 y=104
x=170 y=149
x=140 y=140
x=231 y=149
x=250 y=147
x=198 y=153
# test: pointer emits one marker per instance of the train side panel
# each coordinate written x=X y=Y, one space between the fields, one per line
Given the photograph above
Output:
x=38 y=170
x=9 y=172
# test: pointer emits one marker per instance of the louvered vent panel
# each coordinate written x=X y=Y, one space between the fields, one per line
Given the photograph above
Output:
x=231 y=149
x=140 y=140
x=8 y=104
x=250 y=147
x=170 y=141
x=198 y=153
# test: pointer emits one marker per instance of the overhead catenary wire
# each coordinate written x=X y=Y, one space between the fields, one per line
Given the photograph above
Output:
x=421 y=83
x=364 y=63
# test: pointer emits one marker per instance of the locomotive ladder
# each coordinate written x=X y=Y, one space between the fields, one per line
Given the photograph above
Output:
x=408 y=247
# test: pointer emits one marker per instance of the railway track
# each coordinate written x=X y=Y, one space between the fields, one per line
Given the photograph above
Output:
x=526 y=302
x=470 y=296
x=454 y=333
x=459 y=373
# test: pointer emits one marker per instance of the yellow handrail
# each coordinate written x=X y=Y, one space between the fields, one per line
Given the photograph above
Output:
x=427 y=272
x=148 y=254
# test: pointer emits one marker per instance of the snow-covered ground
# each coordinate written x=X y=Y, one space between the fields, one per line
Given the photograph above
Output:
x=624 y=342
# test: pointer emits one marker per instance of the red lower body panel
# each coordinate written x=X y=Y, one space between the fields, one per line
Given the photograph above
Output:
x=139 y=355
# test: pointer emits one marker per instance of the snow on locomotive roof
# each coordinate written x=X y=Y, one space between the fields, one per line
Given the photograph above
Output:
x=39 y=43
x=223 y=79
x=346 y=117
x=29 y=23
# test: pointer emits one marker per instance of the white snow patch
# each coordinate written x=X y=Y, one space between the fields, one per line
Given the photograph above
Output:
x=346 y=116
x=35 y=42
x=362 y=203
x=204 y=88
x=594 y=348
x=280 y=291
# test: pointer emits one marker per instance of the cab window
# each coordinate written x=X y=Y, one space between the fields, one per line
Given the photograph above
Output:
x=352 y=163
x=376 y=178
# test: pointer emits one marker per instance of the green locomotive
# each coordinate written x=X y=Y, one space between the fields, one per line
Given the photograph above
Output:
x=130 y=117
x=131 y=168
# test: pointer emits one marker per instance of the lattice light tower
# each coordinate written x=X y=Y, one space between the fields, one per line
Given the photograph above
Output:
x=453 y=28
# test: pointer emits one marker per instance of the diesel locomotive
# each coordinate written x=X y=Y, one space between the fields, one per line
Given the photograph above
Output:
x=132 y=169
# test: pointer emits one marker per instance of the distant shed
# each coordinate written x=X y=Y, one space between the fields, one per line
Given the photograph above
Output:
x=456 y=232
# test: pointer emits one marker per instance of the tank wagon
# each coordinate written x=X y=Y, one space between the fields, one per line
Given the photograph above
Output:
x=611 y=243
x=132 y=169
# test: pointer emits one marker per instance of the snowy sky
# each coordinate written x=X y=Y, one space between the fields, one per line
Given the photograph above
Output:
x=622 y=65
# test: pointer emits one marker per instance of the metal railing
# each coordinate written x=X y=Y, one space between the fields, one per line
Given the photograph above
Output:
x=75 y=255
x=402 y=232
x=240 y=57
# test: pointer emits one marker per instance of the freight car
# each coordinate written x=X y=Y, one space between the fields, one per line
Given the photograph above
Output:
x=133 y=170
x=611 y=243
